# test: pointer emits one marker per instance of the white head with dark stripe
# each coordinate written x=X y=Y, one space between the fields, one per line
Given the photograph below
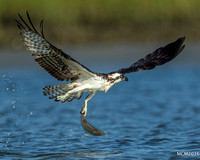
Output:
x=117 y=77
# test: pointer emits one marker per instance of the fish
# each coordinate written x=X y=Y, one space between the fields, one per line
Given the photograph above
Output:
x=89 y=128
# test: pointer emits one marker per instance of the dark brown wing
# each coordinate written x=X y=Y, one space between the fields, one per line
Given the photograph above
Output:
x=158 y=57
x=53 y=60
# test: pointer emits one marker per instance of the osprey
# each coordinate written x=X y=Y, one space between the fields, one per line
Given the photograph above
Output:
x=64 y=68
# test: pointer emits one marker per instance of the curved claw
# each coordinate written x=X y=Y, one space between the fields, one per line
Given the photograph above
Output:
x=89 y=128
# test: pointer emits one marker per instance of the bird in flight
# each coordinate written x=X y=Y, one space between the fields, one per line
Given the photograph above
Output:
x=81 y=79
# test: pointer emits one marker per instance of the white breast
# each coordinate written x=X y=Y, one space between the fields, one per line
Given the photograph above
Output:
x=95 y=83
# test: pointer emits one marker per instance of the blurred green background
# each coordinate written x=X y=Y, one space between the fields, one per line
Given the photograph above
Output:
x=107 y=21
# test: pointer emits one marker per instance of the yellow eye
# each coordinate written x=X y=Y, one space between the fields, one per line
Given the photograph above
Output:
x=121 y=76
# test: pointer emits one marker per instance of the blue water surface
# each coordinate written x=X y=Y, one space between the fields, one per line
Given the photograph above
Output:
x=156 y=115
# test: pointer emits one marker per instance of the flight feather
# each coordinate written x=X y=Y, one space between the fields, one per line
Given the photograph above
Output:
x=160 y=56
x=59 y=64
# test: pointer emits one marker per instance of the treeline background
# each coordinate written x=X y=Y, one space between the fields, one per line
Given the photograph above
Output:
x=105 y=21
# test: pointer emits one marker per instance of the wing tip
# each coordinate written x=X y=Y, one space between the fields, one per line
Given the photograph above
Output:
x=179 y=44
x=181 y=39
x=24 y=25
x=166 y=54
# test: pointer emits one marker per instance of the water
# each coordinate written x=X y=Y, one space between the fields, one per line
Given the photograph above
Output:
x=153 y=116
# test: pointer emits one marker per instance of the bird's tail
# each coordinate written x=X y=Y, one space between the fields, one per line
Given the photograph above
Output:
x=56 y=90
x=60 y=92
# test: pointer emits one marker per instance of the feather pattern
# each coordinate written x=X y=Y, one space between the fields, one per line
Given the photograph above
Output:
x=158 y=57
x=61 y=90
x=53 y=60
x=63 y=67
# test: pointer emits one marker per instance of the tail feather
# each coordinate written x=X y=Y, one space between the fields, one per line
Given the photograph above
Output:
x=68 y=98
x=60 y=92
x=62 y=88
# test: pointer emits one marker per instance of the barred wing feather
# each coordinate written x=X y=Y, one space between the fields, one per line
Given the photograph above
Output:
x=53 y=60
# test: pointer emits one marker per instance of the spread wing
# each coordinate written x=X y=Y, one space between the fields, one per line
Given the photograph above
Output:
x=53 y=60
x=158 y=57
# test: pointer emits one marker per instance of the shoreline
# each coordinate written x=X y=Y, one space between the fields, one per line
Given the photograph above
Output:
x=84 y=22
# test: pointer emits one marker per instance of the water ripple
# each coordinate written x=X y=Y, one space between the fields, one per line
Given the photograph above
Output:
x=147 y=119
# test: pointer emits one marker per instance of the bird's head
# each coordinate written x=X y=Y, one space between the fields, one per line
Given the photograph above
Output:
x=117 y=77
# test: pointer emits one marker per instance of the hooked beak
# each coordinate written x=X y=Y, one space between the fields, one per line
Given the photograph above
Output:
x=126 y=79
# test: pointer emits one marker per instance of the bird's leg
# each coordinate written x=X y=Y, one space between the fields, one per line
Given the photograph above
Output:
x=84 y=107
